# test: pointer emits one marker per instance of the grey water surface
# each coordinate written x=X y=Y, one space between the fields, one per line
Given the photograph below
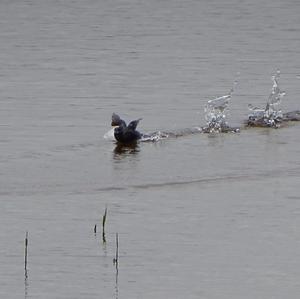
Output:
x=199 y=216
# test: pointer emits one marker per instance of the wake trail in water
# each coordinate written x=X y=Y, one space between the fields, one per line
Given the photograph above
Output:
x=216 y=114
x=161 y=135
x=216 y=111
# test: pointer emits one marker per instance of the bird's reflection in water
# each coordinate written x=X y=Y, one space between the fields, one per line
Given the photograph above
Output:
x=26 y=284
x=124 y=150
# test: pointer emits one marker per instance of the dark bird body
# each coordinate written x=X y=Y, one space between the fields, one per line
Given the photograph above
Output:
x=125 y=133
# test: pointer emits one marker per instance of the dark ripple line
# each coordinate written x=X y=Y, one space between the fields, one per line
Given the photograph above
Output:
x=178 y=183
x=295 y=172
x=291 y=172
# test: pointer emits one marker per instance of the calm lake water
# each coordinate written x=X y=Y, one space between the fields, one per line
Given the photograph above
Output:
x=200 y=216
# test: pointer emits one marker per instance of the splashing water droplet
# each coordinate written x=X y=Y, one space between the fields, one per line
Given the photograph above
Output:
x=256 y=112
x=215 y=113
x=271 y=115
x=276 y=94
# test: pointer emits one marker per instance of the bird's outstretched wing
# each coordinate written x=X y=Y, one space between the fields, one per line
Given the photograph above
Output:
x=116 y=120
x=133 y=124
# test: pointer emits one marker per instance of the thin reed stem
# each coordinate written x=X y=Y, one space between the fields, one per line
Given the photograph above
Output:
x=103 y=225
x=116 y=259
x=26 y=250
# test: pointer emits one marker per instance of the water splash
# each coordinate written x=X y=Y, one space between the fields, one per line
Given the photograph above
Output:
x=271 y=115
x=161 y=135
x=109 y=135
x=276 y=93
x=256 y=112
x=154 y=137
x=215 y=113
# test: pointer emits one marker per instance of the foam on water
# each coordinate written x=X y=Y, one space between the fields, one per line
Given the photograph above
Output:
x=161 y=135
x=154 y=137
